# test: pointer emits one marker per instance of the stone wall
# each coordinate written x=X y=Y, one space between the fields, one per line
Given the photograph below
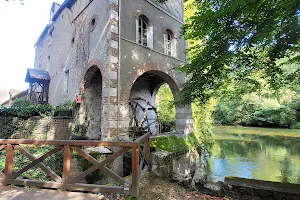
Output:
x=35 y=128
x=239 y=188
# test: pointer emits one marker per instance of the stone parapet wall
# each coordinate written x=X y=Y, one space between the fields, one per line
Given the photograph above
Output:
x=35 y=128
x=239 y=188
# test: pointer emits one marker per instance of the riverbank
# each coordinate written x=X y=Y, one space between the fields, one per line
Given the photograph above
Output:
x=256 y=131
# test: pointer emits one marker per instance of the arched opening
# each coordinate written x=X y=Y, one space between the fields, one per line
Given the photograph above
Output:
x=166 y=108
x=143 y=95
x=93 y=102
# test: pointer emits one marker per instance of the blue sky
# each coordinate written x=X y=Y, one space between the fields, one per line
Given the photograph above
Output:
x=20 y=25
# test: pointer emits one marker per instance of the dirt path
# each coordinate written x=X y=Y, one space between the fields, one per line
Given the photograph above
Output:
x=154 y=188
x=151 y=188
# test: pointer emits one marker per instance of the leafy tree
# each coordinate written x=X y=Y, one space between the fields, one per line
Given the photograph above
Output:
x=166 y=108
x=234 y=39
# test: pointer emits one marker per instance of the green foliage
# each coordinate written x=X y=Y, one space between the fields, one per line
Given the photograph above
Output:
x=166 y=108
x=68 y=105
x=54 y=162
x=23 y=109
x=234 y=39
x=175 y=144
x=252 y=109
x=65 y=110
x=202 y=115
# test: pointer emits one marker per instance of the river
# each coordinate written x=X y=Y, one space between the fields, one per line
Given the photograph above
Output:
x=255 y=153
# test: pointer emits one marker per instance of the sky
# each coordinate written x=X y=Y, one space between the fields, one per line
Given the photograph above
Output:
x=20 y=27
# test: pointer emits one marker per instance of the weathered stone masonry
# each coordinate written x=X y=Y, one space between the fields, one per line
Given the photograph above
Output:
x=103 y=64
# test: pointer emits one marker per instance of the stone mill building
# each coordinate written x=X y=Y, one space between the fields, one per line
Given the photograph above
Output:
x=107 y=52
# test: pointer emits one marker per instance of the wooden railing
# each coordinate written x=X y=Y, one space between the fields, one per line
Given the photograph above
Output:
x=140 y=164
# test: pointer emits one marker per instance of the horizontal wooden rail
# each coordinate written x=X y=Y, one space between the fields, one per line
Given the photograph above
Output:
x=142 y=138
x=69 y=142
x=140 y=164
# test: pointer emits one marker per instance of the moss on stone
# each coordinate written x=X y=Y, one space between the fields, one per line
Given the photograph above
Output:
x=176 y=144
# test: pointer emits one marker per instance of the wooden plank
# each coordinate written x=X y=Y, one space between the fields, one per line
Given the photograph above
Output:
x=67 y=164
x=95 y=188
x=99 y=165
x=8 y=163
x=2 y=147
x=35 y=162
x=68 y=142
x=46 y=169
x=143 y=155
x=144 y=173
x=135 y=173
x=35 y=183
x=142 y=138
x=148 y=153
x=106 y=170
x=75 y=187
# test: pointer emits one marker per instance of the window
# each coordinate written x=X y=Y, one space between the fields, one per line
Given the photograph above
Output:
x=48 y=64
x=143 y=31
x=93 y=22
x=67 y=80
x=169 y=43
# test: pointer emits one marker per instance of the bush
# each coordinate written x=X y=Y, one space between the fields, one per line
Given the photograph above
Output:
x=23 y=109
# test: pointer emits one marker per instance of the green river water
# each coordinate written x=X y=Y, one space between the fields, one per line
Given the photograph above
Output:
x=255 y=153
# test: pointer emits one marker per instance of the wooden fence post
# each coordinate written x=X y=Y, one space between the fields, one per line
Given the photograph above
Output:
x=8 y=163
x=135 y=172
x=67 y=166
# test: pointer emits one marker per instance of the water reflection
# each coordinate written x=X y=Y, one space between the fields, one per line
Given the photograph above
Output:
x=263 y=157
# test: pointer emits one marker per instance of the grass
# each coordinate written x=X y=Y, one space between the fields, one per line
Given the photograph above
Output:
x=175 y=144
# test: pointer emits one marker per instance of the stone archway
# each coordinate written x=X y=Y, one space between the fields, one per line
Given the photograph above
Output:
x=145 y=87
x=92 y=101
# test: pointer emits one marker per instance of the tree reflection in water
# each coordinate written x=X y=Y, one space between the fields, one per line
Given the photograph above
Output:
x=262 y=157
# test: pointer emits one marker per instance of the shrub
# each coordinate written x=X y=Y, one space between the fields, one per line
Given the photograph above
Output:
x=23 y=109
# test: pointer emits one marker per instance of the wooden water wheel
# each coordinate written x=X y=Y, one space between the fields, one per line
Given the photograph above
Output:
x=141 y=121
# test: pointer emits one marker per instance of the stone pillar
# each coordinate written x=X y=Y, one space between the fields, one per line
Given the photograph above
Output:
x=184 y=119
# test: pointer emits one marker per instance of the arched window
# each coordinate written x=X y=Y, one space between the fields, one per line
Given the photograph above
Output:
x=169 y=43
x=144 y=32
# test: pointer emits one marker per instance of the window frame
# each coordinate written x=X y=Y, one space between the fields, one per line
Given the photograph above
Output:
x=142 y=34
x=170 y=43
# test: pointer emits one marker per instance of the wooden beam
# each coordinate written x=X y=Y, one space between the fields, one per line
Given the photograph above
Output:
x=142 y=138
x=106 y=170
x=2 y=147
x=135 y=173
x=8 y=163
x=67 y=165
x=35 y=162
x=95 y=188
x=144 y=172
x=46 y=169
x=68 y=142
x=35 y=183
x=99 y=165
